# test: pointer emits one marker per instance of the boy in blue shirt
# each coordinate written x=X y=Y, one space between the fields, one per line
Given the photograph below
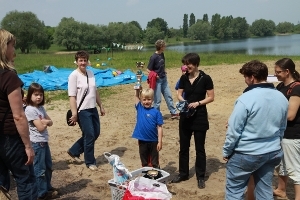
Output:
x=148 y=129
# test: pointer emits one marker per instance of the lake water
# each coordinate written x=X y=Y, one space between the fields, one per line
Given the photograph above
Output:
x=274 y=45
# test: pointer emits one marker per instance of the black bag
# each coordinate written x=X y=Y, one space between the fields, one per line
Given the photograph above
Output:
x=69 y=112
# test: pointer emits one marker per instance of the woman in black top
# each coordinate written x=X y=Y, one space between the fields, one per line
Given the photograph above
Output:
x=198 y=89
x=290 y=166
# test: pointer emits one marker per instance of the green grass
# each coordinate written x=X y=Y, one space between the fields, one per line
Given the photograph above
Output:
x=123 y=60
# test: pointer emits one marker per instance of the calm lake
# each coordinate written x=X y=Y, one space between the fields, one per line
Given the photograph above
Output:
x=275 y=45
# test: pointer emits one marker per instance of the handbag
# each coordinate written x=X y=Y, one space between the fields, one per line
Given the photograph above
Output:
x=69 y=112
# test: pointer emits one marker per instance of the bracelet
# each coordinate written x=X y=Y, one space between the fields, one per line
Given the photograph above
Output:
x=199 y=103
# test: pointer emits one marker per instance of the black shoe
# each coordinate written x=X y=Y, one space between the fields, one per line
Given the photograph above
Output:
x=179 y=178
x=201 y=183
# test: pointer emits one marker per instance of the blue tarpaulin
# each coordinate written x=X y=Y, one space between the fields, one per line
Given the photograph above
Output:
x=57 y=79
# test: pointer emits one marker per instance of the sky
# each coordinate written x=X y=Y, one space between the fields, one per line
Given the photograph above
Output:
x=143 y=11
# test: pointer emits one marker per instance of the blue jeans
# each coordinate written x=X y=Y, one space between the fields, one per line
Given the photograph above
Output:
x=42 y=167
x=162 y=87
x=239 y=169
x=90 y=127
x=13 y=158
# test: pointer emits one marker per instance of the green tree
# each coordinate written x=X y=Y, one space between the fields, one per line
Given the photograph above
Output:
x=199 y=31
x=297 y=28
x=185 y=25
x=27 y=28
x=205 y=18
x=153 y=34
x=215 y=25
x=67 y=33
x=192 y=20
x=43 y=39
x=240 y=28
x=263 y=27
x=135 y=23
x=160 y=24
x=285 y=27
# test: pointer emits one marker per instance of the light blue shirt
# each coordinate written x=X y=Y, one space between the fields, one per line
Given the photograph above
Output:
x=258 y=121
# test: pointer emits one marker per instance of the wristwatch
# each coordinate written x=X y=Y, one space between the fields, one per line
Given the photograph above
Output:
x=199 y=103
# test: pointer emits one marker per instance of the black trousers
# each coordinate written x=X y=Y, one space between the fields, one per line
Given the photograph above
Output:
x=149 y=154
x=184 y=153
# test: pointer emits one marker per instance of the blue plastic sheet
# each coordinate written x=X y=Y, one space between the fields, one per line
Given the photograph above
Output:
x=57 y=79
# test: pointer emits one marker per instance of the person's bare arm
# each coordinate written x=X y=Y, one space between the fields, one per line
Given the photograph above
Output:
x=160 y=135
x=179 y=95
x=73 y=107
x=16 y=105
x=40 y=126
x=137 y=97
x=47 y=120
x=294 y=104
x=99 y=103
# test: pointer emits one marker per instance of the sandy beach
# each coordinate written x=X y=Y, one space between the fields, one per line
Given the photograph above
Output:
x=75 y=181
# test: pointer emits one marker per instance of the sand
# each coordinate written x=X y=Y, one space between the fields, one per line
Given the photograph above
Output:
x=75 y=181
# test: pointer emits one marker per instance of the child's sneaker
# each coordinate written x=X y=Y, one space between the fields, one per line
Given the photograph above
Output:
x=75 y=158
x=174 y=116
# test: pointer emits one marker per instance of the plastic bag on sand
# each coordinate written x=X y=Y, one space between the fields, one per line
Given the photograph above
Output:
x=148 y=189
x=121 y=174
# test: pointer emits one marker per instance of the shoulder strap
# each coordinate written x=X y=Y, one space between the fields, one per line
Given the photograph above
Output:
x=292 y=86
x=85 y=92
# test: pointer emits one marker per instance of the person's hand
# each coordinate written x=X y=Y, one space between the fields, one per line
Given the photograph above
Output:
x=45 y=121
x=73 y=119
x=226 y=159
x=30 y=155
x=102 y=111
x=159 y=146
x=193 y=105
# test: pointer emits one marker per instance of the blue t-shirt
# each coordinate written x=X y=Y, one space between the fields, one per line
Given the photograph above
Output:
x=147 y=120
x=177 y=87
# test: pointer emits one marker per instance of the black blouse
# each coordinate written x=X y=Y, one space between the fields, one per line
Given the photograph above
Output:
x=193 y=93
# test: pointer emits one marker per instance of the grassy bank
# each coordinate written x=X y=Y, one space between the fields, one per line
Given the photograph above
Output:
x=126 y=59
x=26 y=63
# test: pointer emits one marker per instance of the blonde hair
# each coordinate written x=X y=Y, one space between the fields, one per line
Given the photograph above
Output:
x=147 y=93
x=5 y=38
x=159 y=44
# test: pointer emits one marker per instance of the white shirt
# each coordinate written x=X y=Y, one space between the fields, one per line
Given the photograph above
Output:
x=77 y=84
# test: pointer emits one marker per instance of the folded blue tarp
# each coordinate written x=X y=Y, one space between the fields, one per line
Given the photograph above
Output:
x=57 y=79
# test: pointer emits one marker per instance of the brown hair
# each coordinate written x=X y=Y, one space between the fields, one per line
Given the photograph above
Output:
x=159 y=44
x=288 y=64
x=35 y=87
x=256 y=69
x=82 y=54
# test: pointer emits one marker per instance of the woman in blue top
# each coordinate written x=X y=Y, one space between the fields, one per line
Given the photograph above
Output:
x=255 y=129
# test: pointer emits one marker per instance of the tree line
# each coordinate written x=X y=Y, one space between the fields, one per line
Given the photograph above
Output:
x=32 y=32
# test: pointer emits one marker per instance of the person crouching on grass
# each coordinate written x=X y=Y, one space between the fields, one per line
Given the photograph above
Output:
x=148 y=129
